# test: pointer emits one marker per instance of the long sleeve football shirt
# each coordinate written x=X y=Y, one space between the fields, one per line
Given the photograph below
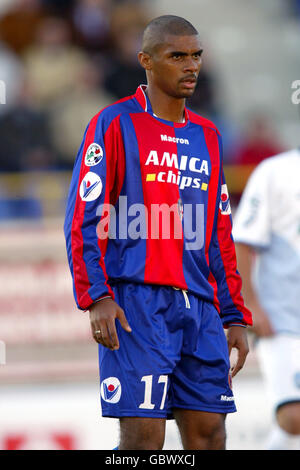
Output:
x=140 y=166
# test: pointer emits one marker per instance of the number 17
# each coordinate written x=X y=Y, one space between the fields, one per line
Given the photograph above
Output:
x=148 y=391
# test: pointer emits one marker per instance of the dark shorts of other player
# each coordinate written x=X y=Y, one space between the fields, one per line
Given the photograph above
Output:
x=175 y=357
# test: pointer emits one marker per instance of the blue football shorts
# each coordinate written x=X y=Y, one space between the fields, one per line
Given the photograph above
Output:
x=175 y=357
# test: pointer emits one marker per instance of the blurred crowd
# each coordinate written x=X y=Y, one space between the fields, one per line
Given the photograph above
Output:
x=64 y=60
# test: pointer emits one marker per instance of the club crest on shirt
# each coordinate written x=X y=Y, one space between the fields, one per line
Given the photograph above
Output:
x=91 y=187
x=224 y=201
x=111 y=390
x=94 y=155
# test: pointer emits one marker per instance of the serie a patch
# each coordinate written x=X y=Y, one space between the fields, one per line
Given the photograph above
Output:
x=94 y=155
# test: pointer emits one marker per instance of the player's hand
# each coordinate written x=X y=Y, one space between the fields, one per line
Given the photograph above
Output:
x=103 y=315
x=237 y=338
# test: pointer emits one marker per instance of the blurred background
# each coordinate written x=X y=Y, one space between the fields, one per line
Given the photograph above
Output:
x=62 y=61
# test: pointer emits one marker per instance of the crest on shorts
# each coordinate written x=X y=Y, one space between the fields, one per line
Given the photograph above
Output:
x=111 y=390
x=94 y=155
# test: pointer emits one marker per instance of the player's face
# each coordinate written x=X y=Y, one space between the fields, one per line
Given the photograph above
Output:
x=176 y=64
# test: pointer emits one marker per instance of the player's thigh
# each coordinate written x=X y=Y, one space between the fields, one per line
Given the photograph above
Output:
x=198 y=428
x=201 y=380
x=279 y=361
x=142 y=433
x=136 y=379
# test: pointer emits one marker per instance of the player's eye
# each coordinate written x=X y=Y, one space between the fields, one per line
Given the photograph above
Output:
x=198 y=55
x=177 y=56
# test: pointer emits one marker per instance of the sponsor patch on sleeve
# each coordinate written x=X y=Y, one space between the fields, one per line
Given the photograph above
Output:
x=224 y=201
x=91 y=187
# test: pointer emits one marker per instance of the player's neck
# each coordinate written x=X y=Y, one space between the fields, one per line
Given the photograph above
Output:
x=164 y=106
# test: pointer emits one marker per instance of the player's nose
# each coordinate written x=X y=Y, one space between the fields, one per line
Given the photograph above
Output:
x=192 y=65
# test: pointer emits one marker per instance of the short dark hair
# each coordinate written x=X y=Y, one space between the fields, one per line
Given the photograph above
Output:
x=161 y=26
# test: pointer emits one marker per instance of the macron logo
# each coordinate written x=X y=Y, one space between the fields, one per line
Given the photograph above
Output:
x=176 y=140
x=226 y=398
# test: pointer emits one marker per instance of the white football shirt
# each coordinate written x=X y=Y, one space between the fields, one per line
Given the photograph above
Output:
x=268 y=219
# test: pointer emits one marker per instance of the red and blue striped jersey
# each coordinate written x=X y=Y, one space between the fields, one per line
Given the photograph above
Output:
x=136 y=162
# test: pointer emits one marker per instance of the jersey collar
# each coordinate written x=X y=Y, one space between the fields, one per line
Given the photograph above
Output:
x=144 y=102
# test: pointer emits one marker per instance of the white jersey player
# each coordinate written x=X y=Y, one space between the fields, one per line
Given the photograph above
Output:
x=267 y=225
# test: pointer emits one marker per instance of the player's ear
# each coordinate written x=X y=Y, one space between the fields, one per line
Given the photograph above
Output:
x=145 y=60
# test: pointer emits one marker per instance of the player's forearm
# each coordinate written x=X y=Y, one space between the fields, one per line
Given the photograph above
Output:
x=90 y=281
x=223 y=265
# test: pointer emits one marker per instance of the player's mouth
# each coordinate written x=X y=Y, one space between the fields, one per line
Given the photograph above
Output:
x=189 y=82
